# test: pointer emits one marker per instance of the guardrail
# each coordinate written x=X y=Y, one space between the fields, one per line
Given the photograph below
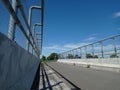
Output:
x=14 y=20
x=106 y=48
x=22 y=66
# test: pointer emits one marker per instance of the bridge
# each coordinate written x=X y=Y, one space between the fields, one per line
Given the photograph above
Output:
x=95 y=66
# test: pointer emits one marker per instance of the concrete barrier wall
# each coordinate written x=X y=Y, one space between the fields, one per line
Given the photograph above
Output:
x=17 y=66
x=106 y=62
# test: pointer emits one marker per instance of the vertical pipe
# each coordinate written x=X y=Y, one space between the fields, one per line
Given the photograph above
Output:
x=29 y=23
x=86 y=50
x=93 y=50
x=73 y=53
x=115 y=49
x=58 y=56
x=76 y=54
x=70 y=55
x=80 y=52
x=61 y=56
x=66 y=55
x=11 y=30
x=42 y=18
x=102 y=49
x=33 y=31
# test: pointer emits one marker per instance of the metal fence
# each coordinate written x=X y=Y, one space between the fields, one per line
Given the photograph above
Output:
x=33 y=42
x=106 y=48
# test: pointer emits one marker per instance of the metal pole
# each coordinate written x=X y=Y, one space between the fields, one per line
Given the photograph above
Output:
x=33 y=36
x=86 y=50
x=80 y=52
x=76 y=54
x=70 y=54
x=66 y=55
x=73 y=54
x=34 y=27
x=62 y=56
x=102 y=50
x=26 y=22
x=12 y=23
x=115 y=49
x=29 y=22
x=93 y=50
x=12 y=12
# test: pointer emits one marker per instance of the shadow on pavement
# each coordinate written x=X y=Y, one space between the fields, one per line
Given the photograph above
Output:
x=35 y=84
x=45 y=80
x=75 y=87
x=46 y=85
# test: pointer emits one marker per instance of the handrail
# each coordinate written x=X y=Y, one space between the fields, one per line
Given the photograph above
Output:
x=92 y=44
x=13 y=14
x=25 y=19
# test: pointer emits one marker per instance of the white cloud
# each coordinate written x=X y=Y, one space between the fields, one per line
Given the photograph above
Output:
x=61 y=48
x=90 y=39
x=116 y=15
x=118 y=28
x=74 y=45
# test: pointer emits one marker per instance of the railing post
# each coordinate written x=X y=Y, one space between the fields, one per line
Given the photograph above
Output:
x=29 y=22
x=12 y=23
x=85 y=51
x=76 y=54
x=93 y=50
x=65 y=55
x=80 y=52
x=73 y=54
x=33 y=36
x=115 y=49
x=102 y=49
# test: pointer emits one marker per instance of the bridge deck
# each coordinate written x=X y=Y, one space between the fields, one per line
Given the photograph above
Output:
x=50 y=80
x=87 y=78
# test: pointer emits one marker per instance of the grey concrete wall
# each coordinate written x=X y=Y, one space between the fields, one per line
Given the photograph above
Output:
x=105 y=62
x=17 y=66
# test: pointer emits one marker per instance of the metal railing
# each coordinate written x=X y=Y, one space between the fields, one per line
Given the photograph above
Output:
x=14 y=20
x=106 y=48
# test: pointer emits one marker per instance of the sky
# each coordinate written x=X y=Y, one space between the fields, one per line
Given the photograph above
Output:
x=70 y=24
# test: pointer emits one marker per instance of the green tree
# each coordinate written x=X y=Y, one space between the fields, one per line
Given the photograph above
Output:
x=53 y=56
x=76 y=56
x=70 y=56
x=96 y=56
x=113 y=56
x=43 y=58
x=89 y=56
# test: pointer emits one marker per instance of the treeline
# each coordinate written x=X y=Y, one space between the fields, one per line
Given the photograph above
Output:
x=71 y=56
x=52 y=56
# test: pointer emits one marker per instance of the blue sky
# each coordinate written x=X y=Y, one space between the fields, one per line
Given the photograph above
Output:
x=71 y=23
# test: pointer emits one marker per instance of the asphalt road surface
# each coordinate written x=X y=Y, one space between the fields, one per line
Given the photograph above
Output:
x=87 y=78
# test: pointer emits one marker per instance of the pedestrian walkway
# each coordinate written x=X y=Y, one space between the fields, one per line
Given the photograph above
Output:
x=50 y=80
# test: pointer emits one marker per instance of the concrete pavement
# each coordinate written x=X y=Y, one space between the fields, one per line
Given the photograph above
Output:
x=50 y=80
x=87 y=78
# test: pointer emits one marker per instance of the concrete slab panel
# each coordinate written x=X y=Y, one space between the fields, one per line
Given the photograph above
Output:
x=17 y=66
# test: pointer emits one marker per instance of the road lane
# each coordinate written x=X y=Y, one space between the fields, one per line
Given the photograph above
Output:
x=87 y=78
